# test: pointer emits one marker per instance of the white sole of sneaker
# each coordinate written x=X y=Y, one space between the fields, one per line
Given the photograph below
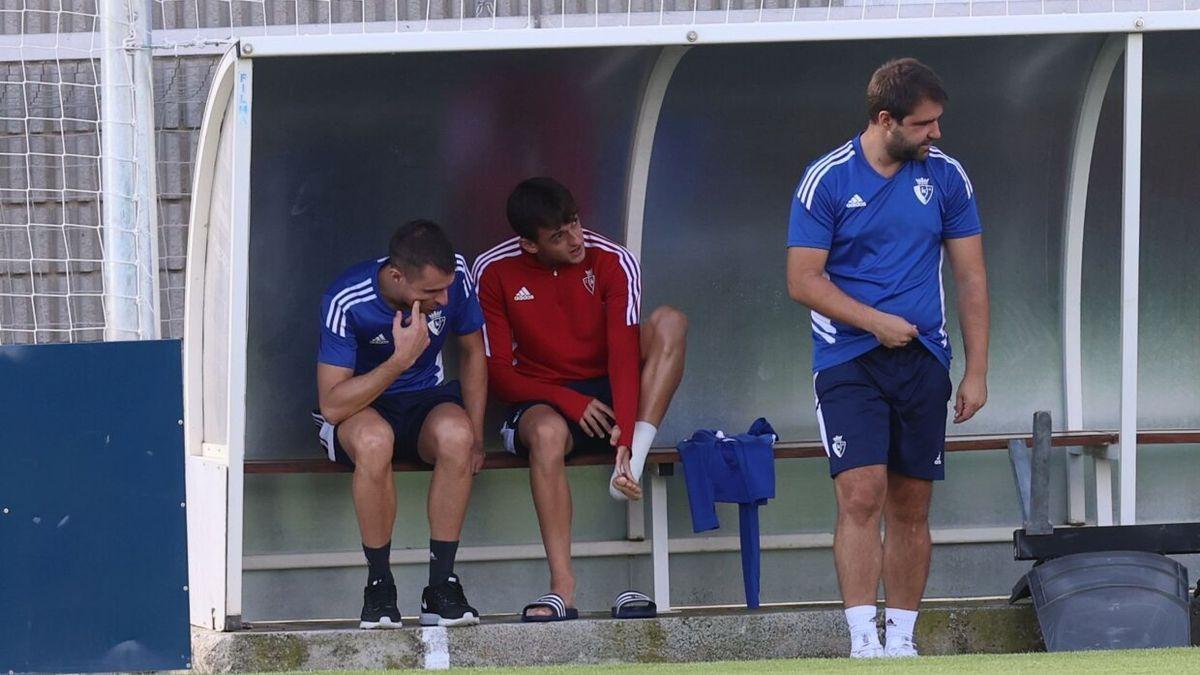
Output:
x=384 y=624
x=467 y=619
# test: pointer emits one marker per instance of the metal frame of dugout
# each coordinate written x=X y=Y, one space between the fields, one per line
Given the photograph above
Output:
x=219 y=265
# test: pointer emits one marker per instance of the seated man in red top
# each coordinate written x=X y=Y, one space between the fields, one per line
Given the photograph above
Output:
x=561 y=308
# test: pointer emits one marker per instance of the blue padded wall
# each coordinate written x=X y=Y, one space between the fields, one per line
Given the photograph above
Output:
x=93 y=533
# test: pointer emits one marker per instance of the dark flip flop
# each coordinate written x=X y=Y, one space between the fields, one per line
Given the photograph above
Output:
x=557 y=606
x=634 y=605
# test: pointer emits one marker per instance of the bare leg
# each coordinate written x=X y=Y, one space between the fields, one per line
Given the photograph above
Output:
x=545 y=433
x=664 y=346
x=857 y=549
x=445 y=442
x=906 y=545
x=368 y=440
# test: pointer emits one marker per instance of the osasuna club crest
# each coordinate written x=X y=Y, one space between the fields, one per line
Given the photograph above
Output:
x=436 y=322
x=589 y=281
x=839 y=446
x=924 y=190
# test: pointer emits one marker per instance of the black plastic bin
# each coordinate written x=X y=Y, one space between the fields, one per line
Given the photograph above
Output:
x=1111 y=600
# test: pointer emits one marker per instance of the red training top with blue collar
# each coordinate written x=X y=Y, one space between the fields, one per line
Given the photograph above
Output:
x=545 y=327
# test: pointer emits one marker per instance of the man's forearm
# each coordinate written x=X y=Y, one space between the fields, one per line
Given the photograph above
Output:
x=974 y=317
x=350 y=396
x=823 y=296
x=473 y=369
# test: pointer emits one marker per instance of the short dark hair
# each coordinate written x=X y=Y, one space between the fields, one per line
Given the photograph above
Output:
x=540 y=203
x=418 y=243
x=900 y=85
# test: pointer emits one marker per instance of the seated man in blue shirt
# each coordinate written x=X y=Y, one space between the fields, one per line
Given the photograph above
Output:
x=871 y=224
x=383 y=394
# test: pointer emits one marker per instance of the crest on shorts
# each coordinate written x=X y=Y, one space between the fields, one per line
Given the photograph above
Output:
x=589 y=281
x=839 y=446
x=436 y=322
x=924 y=190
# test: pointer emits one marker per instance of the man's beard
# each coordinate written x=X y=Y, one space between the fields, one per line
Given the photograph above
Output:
x=902 y=152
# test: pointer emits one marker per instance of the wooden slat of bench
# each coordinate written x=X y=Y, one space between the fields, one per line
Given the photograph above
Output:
x=783 y=450
x=1169 y=436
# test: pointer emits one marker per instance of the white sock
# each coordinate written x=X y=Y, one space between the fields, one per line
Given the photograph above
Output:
x=639 y=447
x=899 y=622
x=861 y=619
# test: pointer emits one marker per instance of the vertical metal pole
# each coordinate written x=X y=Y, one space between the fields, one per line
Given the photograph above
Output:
x=659 y=537
x=1131 y=185
x=118 y=174
x=149 y=324
x=1104 y=489
x=1039 y=483
x=127 y=169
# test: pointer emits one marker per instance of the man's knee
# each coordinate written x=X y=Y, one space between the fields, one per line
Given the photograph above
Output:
x=861 y=498
x=547 y=438
x=452 y=438
x=371 y=447
x=910 y=510
x=669 y=325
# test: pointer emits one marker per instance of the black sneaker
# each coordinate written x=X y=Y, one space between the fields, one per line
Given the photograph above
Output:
x=379 y=606
x=446 y=605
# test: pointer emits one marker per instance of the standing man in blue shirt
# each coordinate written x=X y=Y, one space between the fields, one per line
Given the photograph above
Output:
x=383 y=394
x=871 y=224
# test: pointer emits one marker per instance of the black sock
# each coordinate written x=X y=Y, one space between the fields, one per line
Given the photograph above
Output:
x=378 y=564
x=441 y=560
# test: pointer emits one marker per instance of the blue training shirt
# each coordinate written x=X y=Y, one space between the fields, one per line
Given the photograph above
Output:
x=884 y=237
x=356 y=325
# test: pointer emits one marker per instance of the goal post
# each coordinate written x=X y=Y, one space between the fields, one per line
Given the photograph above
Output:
x=127 y=172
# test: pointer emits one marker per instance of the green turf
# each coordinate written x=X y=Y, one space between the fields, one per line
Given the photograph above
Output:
x=1186 y=660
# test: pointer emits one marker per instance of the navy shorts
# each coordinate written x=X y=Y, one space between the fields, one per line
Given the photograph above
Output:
x=405 y=412
x=887 y=406
x=598 y=388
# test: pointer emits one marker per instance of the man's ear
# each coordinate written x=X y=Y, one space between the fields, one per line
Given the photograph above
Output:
x=528 y=245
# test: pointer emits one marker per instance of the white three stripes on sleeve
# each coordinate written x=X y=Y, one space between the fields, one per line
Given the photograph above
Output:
x=633 y=273
x=352 y=295
x=934 y=152
x=817 y=171
x=460 y=265
x=505 y=249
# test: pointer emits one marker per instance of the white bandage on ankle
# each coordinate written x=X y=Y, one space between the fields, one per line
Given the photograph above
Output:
x=643 y=438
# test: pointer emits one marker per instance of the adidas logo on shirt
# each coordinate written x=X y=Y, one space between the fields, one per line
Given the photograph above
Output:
x=523 y=294
x=856 y=202
x=380 y=339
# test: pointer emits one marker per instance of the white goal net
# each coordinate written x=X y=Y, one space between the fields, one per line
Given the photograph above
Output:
x=77 y=213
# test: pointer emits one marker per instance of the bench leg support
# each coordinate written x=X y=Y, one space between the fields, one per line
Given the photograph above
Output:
x=1076 y=503
x=658 y=540
x=1104 y=505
